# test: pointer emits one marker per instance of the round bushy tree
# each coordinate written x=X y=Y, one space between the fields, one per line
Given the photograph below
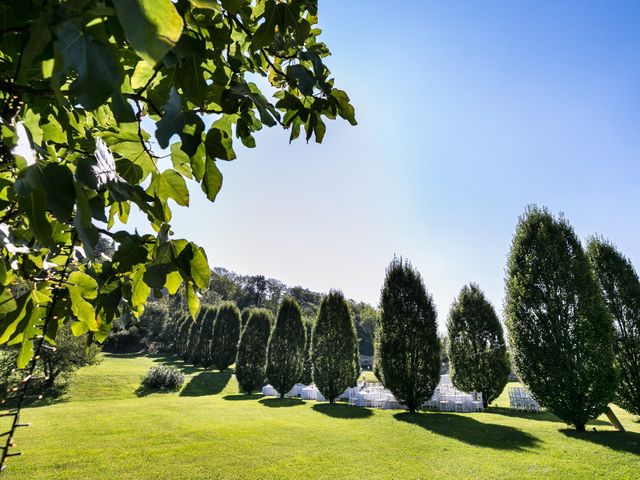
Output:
x=561 y=334
x=285 y=353
x=476 y=348
x=333 y=347
x=620 y=288
x=226 y=333
x=408 y=349
x=251 y=361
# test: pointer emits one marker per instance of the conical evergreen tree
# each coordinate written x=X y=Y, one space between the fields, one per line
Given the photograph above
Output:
x=194 y=337
x=620 y=288
x=408 y=349
x=560 y=332
x=244 y=317
x=226 y=333
x=251 y=361
x=285 y=353
x=333 y=347
x=477 y=352
x=207 y=317
x=182 y=335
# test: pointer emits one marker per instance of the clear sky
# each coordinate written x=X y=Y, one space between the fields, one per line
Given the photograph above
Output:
x=468 y=111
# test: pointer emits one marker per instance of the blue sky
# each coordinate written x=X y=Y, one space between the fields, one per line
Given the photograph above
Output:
x=468 y=112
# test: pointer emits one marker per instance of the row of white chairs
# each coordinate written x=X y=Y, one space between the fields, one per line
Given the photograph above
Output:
x=521 y=399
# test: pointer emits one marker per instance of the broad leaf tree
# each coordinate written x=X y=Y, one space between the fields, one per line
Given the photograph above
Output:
x=620 y=288
x=560 y=331
x=476 y=348
x=334 y=347
x=286 y=352
x=407 y=345
x=84 y=87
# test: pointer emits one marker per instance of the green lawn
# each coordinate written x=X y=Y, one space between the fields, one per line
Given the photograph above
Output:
x=103 y=430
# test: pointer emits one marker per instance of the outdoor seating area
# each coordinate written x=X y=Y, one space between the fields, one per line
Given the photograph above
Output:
x=520 y=399
x=446 y=397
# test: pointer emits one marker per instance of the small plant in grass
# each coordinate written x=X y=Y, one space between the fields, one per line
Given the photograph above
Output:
x=163 y=378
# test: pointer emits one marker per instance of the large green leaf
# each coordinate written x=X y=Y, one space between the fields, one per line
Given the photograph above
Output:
x=97 y=73
x=170 y=184
x=219 y=143
x=174 y=121
x=152 y=27
x=83 y=287
x=212 y=181
x=61 y=192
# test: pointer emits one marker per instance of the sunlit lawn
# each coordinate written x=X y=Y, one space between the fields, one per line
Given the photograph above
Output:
x=105 y=431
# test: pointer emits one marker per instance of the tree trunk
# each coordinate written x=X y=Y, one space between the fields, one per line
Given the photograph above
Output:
x=580 y=427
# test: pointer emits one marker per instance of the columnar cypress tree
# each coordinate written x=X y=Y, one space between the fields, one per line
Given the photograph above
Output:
x=285 y=353
x=620 y=288
x=226 y=333
x=408 y=349
x=207 y=317
x=561 y=334
x=477 y=352
x=333 y=346
x=307 y=367
x=251 y=361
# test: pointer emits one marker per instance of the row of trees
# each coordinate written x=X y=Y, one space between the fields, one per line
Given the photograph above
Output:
x=573 y=317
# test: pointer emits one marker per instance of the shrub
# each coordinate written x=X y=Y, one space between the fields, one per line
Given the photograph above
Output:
x=620 y=288
x=244 y=317
x=203 y=349
x=307 y=366
x=226 y=333
x=163 y=378
x=285 y=353
x=477 y=353
x=251 y=361
x=334 y=347
x=561 y=334
x=408 y=346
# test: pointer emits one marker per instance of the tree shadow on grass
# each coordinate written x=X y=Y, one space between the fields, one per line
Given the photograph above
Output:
x=342 y=411
x=243 y=396
x=466 y=429
x=206 y=383
x=177 y=362
x=621 y=441
x=540 y=417
x=281 y=402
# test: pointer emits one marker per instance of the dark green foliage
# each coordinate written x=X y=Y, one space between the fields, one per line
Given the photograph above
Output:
x=334 y=347
x=251 y=361
x=207 y=317
x=307 y=366
x=285 y=353
x=226 y=333
x=408 y=349
x=182 y=338
x=163 y=378
x=194 y=338
x=244 y=317
x=476 y=348
x=620 y=288
x=560 y=332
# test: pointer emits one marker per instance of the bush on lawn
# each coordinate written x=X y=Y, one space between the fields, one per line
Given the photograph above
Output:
x=163 y=378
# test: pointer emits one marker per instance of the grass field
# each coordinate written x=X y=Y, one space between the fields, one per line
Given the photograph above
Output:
x=104 y=430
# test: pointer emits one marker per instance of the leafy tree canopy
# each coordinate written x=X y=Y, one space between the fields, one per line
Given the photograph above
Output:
x=77 y=79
